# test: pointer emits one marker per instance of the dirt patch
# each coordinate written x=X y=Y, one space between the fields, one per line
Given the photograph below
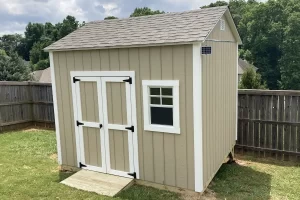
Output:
x=207 y=195
x=53 y=156
x=31 y=130
x=242 y=162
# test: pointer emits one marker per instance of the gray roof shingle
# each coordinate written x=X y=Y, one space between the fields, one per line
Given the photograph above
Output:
x=169 y=28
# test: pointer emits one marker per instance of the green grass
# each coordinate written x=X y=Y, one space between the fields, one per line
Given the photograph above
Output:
x=29 y=171
x=257 y=178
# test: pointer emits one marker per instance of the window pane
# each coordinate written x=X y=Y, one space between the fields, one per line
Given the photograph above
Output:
x=167 y=91
x=155 y=100
x=154 y=91
x=161 y=116
x=167 y=101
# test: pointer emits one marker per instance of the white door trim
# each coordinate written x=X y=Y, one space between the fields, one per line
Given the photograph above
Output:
x=108 y=126
x=86 y=74
x=79 y=129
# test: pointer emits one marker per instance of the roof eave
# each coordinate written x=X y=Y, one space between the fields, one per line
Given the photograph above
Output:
x=120 y=47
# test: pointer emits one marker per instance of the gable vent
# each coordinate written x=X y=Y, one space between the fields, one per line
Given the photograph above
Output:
x=206 y=50
x=222 y=25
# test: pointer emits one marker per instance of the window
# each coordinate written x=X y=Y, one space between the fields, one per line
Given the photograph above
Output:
x=161 y=106
x=206 y=50
x=222 y=25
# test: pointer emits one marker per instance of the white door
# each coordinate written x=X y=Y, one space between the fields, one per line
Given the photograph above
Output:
x=105 y=124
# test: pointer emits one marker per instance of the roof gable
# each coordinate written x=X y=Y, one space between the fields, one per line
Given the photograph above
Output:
x=169 y=28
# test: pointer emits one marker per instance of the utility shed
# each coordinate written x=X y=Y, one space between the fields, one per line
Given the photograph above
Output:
x=152 y=98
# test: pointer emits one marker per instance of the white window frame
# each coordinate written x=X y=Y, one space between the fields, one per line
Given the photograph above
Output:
x=146 y=101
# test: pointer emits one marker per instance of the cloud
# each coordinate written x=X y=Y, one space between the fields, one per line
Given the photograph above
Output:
x=15 y=14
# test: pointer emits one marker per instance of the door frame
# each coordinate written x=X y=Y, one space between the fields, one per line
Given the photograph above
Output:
x=130 y=74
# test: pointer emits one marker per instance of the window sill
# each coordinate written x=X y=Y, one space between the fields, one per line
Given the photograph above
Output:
x=163 y=129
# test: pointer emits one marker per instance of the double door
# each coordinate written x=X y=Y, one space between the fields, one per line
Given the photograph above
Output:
x=105 y=124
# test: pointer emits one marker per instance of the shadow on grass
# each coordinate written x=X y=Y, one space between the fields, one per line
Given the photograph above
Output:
x=234 y=181
x=62 y=175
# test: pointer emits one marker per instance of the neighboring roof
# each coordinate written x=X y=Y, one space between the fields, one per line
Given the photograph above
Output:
x=243 y=65
x=42 y=76
x=169 y=28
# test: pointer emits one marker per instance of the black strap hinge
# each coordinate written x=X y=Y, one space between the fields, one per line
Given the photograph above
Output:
x=132 y=174
x=78 y=123
x=100 y=126
x=130 y=128
x=128 y=80
x=75 y=79
x=81 y=165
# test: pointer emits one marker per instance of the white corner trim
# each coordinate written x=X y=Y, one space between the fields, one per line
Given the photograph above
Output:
x=55 y=108
x=237 y=91
x=198 y=129
x=176 y=117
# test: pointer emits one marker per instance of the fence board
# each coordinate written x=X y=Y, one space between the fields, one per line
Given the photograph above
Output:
x=269 y=123
x=25 y=102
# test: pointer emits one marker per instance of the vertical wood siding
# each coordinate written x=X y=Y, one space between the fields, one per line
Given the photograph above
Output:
x=164 y=158
x=219 y=101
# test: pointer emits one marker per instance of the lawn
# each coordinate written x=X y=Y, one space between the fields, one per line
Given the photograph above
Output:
x=28 y=170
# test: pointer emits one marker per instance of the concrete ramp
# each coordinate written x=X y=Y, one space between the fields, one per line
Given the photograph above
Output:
x=104 y=184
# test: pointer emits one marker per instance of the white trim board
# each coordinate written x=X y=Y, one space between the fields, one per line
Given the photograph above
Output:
x=237 y=89
x=59 y=156
x=198 y=128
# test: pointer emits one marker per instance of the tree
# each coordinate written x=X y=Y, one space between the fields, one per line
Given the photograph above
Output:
x=13 y=68
x=110 y=17
x=251 y=80
x=290 y=60
x=9 y=43
x=215 y=4
x=68 y=25
x=145 y=11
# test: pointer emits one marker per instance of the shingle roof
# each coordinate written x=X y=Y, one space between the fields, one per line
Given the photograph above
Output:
x=169 y=28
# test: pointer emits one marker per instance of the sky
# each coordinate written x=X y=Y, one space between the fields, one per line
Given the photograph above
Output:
x=15 y=14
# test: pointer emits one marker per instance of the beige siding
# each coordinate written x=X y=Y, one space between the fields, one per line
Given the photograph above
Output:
x=217 y=34
x=163 y=157
x=117 y=114
x=219 y=101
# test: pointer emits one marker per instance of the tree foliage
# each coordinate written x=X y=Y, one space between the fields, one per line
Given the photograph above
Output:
x=145 y=11
x=110 y=17
x=290 y=60
x=13 y=68
x=215 y=4
x=251 y=80
x=270 y=33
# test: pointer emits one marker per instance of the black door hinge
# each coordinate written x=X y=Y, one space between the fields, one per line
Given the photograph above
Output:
x=132 y=174
x=128 y=80
x=100 y=126
x=130 y=128
x=79 y=123
x=81 y=165
x=75 y=79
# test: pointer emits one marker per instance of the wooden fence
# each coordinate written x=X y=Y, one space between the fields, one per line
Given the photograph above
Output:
x=24 y=104
x=269 y=123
